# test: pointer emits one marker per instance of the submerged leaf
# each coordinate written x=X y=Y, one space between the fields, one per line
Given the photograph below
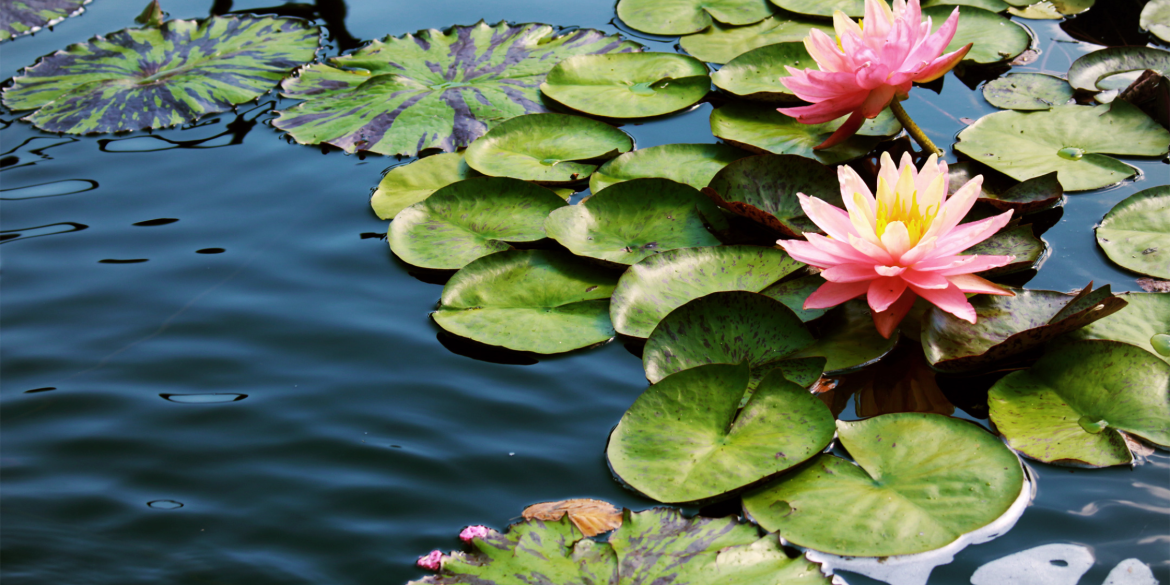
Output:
x=1136 y=232
x=22 y=17
x=591 y=517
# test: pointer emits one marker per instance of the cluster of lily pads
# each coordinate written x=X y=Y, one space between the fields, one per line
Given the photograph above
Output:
x=673 y=252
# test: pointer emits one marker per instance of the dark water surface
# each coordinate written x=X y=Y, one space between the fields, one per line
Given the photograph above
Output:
x=212 y=374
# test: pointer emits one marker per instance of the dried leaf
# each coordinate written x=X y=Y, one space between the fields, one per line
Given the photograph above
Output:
x=591 y=517
x=1154 y=285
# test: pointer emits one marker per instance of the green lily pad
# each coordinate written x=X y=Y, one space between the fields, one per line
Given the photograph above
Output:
x=1006 y=327
x=690 y=164
x=157 y=77
x=1019 y=241
x=432 y=89
x=471 y=219
x=1155 y=17
x=722 y=43
x=920 y=482
x=546 y=148
x=1139 y=323
x=649 y=290
x=1070 y=140
x=1027 y=91
x=759 y=74
x=1035 y=194
x=22 y=17
x=680 y=17
x=1136 y=232
x=793 y=294
x=992 y=5
x=628 y=85
x=852 y=8
x=763 y=188
x=848 y=339
x=1070 y=405
x=685 y=439
x=760 y=128
x=405 y=185
x=529 y=300
x=632 y=220
x=994 y=39
x=653 y=546
x=1048 y=9
x=1088 y=71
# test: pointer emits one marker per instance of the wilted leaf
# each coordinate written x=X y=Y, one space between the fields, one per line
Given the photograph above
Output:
x=591 y=517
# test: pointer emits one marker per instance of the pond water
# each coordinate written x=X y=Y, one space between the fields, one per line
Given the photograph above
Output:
x=215 y=371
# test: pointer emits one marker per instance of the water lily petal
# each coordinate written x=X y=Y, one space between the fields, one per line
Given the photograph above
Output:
x=886 y=321
x=969 y=234
x=896 y=240
x=814 y=86
x=921 y=250
x=825 y=52
x=850 y=273
x=830 y=218
x=925 y=279
x=933 y=45
x=942 y=65
x=949 y=266
x=841 y=249
x=806 y=252
x=950 y=299
x=969 y=283
x=877 y=253
x=844 y=132
x=956 y=207
x=884 y=291
x=825 y=111
x=832 y=294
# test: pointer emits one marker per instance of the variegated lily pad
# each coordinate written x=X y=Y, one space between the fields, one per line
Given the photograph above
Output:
x=432 y=89
x=723 y=43
x=22 y=17
x=680 y=17
x=547 y=148
x=405 y=185
x=628 y=85
x=760 y=128
x=691 y=164
x=156 y=77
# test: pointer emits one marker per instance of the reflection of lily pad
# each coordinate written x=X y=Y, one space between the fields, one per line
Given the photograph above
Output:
x=1155 y=17
x=759 y=74
x=471 y=219
x=652 y=288
x=764 y=187
x=1027 y=91
x=440 y=90
x=1009 y=326
x=544 y=148
x=529 y=300
x=156 y=77
x=994 y=38
x=685 y=438
x=632 y=220
x=22 y=17
x=1069 y=406
x=1088 y=71
x=1019 y=242
x=847 y=339
x=1145 y=317
x=1029 y=196
x=721 y=43
x=1069 y=139
x=760 y=128
x=1136 y=232
x=691 y=164
x=920 y=482
x=628 y=85
x=405 y=185
x=680 y=17
x=1048 y=9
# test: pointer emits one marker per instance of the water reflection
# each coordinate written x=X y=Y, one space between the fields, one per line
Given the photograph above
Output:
x=210 y=398
x=332 y=12
x=7 y=236
x=50 y=189
x=233 y=134
x=30 y=152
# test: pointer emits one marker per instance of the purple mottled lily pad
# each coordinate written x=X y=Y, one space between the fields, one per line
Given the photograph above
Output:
x=22 y=17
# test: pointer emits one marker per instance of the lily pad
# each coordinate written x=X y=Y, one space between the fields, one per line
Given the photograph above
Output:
x=759 y=74
x=405 y=185
x=1006 y=327
x=632 y=220
x=760 y=128
x=690 y=164
x=852 y=8
x=920 y=482
x=653 y=546
x=1155 y=17
x=793 y=294
x=1139 y=323
x=22 y=17
x=628 y=85
x=432 y=89
x=157 y=77
x=1048 y=9
x=1088 y=71
x=994 y=39
x=649 y=290
x=685 y=439
x=1019 y=242
x=680 y=17
x=1070 y=140
x=1027 y=91
x=1136 y=232
x=546 y=148
x=847 y=339
x=471 y=219
x=763 y=188
x=1035 y=194
x=529 y=300
x=1070 y=405
x=723 y=43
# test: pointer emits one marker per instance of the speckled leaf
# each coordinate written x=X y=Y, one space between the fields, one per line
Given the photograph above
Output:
x=685 y=439
x=1019 y=242
x=722 y=43
x=793 y=294
x=768 y=183
x=1145 y=317
x=847 y=339
x=1070 y=405
x=995 y=39
x=680 y=17
x=1029 y=196
x=471 y=219
x=1006 y=327
x=1027 y=91
x=432 y=89
x=529 y=300
x=1087 y=71
x=760 y=128
x=22 y=17
x=1069 y=139
x=1136 y=232
x=544 y=148
x=632 y=220
x=920 y=482
x=692 y=164
x=1155 y=17
x=652 y=288
x=759 y=74
x=140 y=78
x=628 y=85
x=405 y=185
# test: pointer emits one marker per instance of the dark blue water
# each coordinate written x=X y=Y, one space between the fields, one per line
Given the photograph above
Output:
x=255 y=394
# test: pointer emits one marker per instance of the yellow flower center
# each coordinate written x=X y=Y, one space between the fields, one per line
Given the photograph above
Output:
x=917 y=221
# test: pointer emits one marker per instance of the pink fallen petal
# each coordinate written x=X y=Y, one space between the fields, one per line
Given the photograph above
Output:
x=433 y=561
x=474 y=532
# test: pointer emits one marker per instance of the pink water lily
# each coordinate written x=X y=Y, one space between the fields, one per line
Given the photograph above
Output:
x=870 y=65
x=901 y=245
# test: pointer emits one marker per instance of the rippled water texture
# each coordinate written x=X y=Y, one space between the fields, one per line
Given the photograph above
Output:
x=212 y=373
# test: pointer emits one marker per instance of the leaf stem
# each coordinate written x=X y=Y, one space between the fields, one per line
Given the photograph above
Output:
x=915 y=132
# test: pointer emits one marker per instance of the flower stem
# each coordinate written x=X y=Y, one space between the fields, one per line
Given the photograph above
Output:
x=915 y=132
